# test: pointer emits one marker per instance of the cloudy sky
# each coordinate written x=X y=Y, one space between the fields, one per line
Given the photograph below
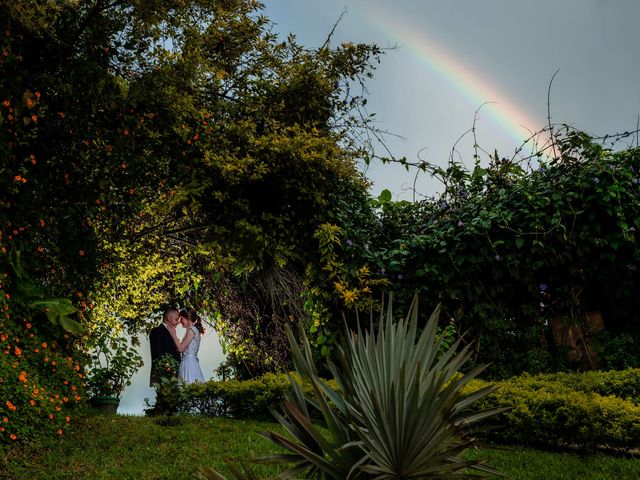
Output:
x=454 y=55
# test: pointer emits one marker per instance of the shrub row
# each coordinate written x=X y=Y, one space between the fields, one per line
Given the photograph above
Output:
x=240 y=398
x=586 y=410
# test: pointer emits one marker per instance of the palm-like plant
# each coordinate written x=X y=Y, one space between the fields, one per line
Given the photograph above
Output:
x=400 y=411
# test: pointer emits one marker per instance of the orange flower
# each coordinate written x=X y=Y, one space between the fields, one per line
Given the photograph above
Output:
x=28 y=325
x=10 y=405
x=23 y=377
x=6 y=103
x=1 y=429
x=37 y=95
x=12 y=436
x=18 y=352
x=53 y=363
x=35 y=392
x=32 y=402
x=65 y=399
x=81 y=253
x=67 y=419
x=34 y=118
x=61 y=114
x=59 y=432
x=5 y=419
x=44 y=344
x=51 y=416
x=37 y=350
x=41 y=222
x=29 y=102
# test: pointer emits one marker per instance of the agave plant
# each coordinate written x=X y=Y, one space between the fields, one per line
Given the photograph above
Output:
x=400 y=411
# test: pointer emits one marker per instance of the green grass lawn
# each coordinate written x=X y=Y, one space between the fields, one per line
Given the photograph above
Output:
x=120 y=447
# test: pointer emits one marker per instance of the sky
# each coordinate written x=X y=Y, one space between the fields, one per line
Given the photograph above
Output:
x=452 y=56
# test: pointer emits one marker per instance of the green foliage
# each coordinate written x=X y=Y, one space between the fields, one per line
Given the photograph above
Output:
x=589 y=410
x=511 y=244
x=41 y=377
x=104 y=448
x=400 y=410
x=170 y=395
x=242 y=398
x=155 y=152
x=617 y=352
x=624 y=384
x=113 y=362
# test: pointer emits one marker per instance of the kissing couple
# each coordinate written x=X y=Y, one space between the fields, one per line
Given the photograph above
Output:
x=164 y=340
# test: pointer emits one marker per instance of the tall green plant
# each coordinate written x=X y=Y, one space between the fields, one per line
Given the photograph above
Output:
x=399 y=411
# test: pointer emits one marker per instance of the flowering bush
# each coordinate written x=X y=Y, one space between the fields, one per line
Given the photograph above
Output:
x=41 y=375
x=170 y=396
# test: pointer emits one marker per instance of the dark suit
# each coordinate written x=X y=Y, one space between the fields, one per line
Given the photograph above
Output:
x=161 y=344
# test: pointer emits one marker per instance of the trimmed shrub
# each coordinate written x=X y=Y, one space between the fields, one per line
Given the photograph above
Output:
x=587 y=410
x=241 y=398
x=624 y=384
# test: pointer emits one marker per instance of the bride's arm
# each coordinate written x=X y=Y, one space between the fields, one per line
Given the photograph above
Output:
x=186 y=340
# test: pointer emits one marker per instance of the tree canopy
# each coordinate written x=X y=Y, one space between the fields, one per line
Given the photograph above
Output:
x=174 y=152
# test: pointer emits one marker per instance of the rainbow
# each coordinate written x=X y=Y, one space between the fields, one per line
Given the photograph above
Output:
x=507 y=115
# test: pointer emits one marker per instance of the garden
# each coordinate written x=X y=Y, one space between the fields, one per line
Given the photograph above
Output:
x=149 y=161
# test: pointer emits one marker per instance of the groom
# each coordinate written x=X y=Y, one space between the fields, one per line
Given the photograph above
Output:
x=161 y=341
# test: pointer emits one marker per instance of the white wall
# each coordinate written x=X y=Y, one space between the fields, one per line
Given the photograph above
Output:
x=132 y=400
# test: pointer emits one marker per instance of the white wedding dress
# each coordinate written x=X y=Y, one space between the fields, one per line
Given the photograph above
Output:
x=189 y=370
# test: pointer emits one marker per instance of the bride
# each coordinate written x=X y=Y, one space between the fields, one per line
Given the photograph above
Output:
x=189 y=370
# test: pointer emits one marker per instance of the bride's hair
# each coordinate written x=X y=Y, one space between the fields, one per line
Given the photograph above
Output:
x=191 y=315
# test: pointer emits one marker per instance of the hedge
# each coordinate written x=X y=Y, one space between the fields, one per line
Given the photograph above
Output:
x=584 y=410
x=240 y=398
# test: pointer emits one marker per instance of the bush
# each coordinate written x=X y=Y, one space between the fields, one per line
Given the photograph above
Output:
x=241 y=398
x=170 y=391
x=587 y=410
x=41 y=379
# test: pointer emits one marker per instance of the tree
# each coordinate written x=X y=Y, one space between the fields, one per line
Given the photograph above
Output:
x=177 y=148
x=510 y=246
